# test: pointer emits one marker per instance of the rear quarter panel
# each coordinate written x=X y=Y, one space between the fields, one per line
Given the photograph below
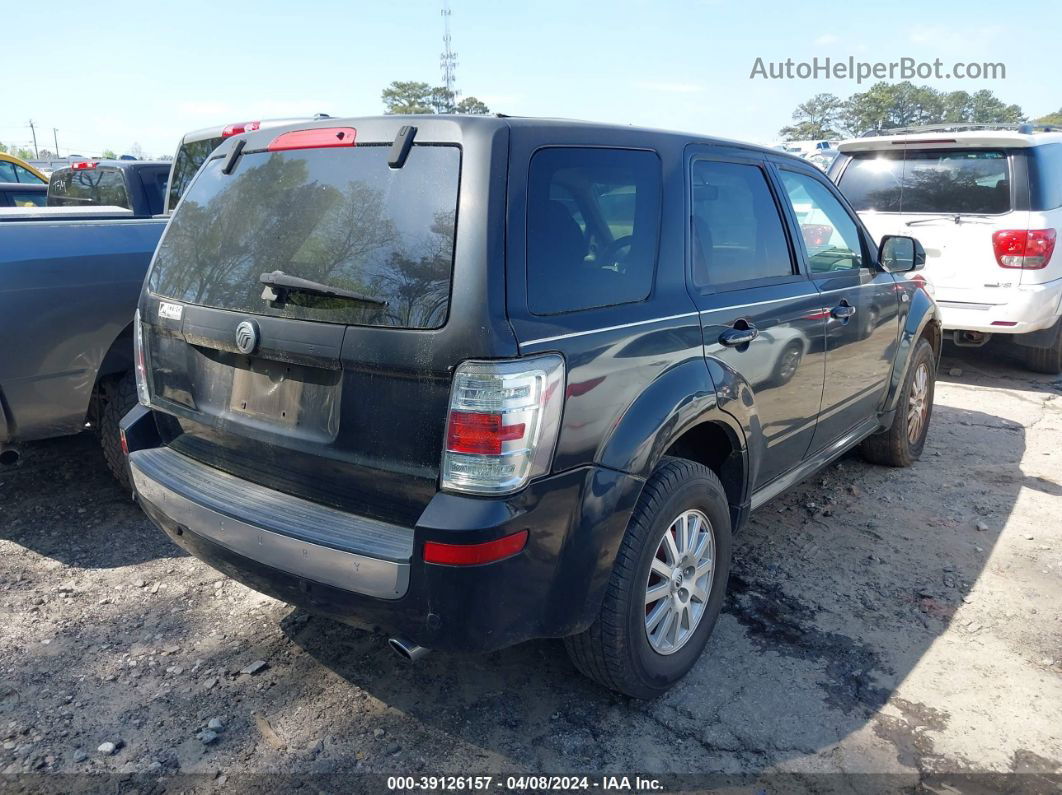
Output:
x=68 y=289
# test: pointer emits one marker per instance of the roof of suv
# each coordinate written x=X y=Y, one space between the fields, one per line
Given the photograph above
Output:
x=930 y=139
x=470 y=121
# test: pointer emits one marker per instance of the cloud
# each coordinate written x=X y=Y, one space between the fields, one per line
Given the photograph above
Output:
x=669 y=88
x=827 y=38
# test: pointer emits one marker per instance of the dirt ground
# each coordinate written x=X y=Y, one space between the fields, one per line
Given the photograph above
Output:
x=881 y=621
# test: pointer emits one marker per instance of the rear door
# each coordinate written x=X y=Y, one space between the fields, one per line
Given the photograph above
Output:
x=340 y=398
x=760 y=315
x=859 y=301
x=952 y=200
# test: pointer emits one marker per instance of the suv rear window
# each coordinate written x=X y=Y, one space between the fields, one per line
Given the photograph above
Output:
x=937 y=181
x=190 y=156
x=88 y=187
x=593 y=222
x=336 y=216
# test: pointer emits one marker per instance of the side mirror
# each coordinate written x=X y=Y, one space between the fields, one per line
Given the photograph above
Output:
x=901 y=254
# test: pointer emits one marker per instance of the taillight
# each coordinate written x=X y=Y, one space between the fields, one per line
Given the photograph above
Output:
x=239 y=128
x=503 y=423
x=1029 y=249
x=142 y=393
x=84 y=166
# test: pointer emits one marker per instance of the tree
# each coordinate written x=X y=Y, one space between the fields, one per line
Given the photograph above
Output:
x=411 y=96
x=108 y=154
x=3 y=147
x=816 y=118
x=137 y=151
x=1050 y=118
x=887 y=105
x=987 y=108
x=443 y=100
x=472 y=107
x=407 y=96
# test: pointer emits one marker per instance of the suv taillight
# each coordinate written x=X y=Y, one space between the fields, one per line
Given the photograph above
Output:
x=503 y=423
x=140 y=367
x=1026 y=249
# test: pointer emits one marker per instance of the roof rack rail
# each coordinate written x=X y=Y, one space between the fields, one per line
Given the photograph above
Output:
x=1021 y=127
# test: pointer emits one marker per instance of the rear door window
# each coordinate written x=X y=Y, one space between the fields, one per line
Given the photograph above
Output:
x=336 y=216
x=737 y=231
x=88 y=187
x=1046 y=177
x=154 y=182
x=593 y=226
x=975 y=181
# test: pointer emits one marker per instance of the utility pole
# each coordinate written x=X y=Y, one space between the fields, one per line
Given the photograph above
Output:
x=448 y=59
x=36 y=154
x=55 y=137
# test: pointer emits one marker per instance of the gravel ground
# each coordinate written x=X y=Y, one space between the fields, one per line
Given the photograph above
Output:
x=881 y=621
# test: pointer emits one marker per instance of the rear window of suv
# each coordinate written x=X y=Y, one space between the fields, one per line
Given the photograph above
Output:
x=336 y=216
x=931 y=181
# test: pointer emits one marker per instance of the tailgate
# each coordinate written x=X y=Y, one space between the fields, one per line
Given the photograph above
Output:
x=340 y=396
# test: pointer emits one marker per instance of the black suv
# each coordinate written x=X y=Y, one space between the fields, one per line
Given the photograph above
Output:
x=479 y=380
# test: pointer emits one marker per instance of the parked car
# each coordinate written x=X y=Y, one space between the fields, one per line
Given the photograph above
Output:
x=479 y=380
x=987 y=205
x=137 y=185
x=195 y=147
x=69 y=281
x=13 y=169
x=21 y=194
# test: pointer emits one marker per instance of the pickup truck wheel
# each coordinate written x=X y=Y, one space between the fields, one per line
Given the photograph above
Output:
x=118 y=399
x=901 y=445
x=667 y=586
x=1045 y=360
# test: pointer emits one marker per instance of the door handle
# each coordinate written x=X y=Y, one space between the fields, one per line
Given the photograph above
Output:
x=741 y=333
x=843 y=311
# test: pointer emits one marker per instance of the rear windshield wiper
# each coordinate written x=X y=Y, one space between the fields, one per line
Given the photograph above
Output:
x=955 y=218
x=279 y=284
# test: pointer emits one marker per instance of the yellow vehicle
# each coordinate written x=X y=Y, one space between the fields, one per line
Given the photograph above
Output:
x=14 y=169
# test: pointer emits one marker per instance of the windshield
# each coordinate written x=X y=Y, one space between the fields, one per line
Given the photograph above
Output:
x=940 y=181
x=337 y=216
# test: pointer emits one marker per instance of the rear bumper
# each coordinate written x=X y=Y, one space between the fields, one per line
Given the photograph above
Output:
x=1031 y=307
x=552 y=588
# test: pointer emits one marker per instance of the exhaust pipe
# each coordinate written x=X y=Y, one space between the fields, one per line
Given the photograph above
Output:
x=407 y=650
x=9 y=456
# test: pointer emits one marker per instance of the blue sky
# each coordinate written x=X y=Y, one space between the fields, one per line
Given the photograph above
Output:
x=113 y=73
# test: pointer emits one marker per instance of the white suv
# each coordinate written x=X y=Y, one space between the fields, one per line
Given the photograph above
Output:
x=987 y=206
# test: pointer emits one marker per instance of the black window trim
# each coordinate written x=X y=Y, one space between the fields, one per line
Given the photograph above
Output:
x=870 y=256
x=659 y=228
x=796 y=262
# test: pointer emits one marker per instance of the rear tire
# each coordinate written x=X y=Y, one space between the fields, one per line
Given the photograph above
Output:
x=118 y=399
x=616 y=650
x=902 y=444
x=1045 y=360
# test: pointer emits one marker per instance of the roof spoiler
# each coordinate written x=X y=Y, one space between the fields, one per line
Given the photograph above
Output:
x=1026 y=128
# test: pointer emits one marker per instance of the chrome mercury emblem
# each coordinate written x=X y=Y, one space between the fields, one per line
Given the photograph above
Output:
x=246 y=337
